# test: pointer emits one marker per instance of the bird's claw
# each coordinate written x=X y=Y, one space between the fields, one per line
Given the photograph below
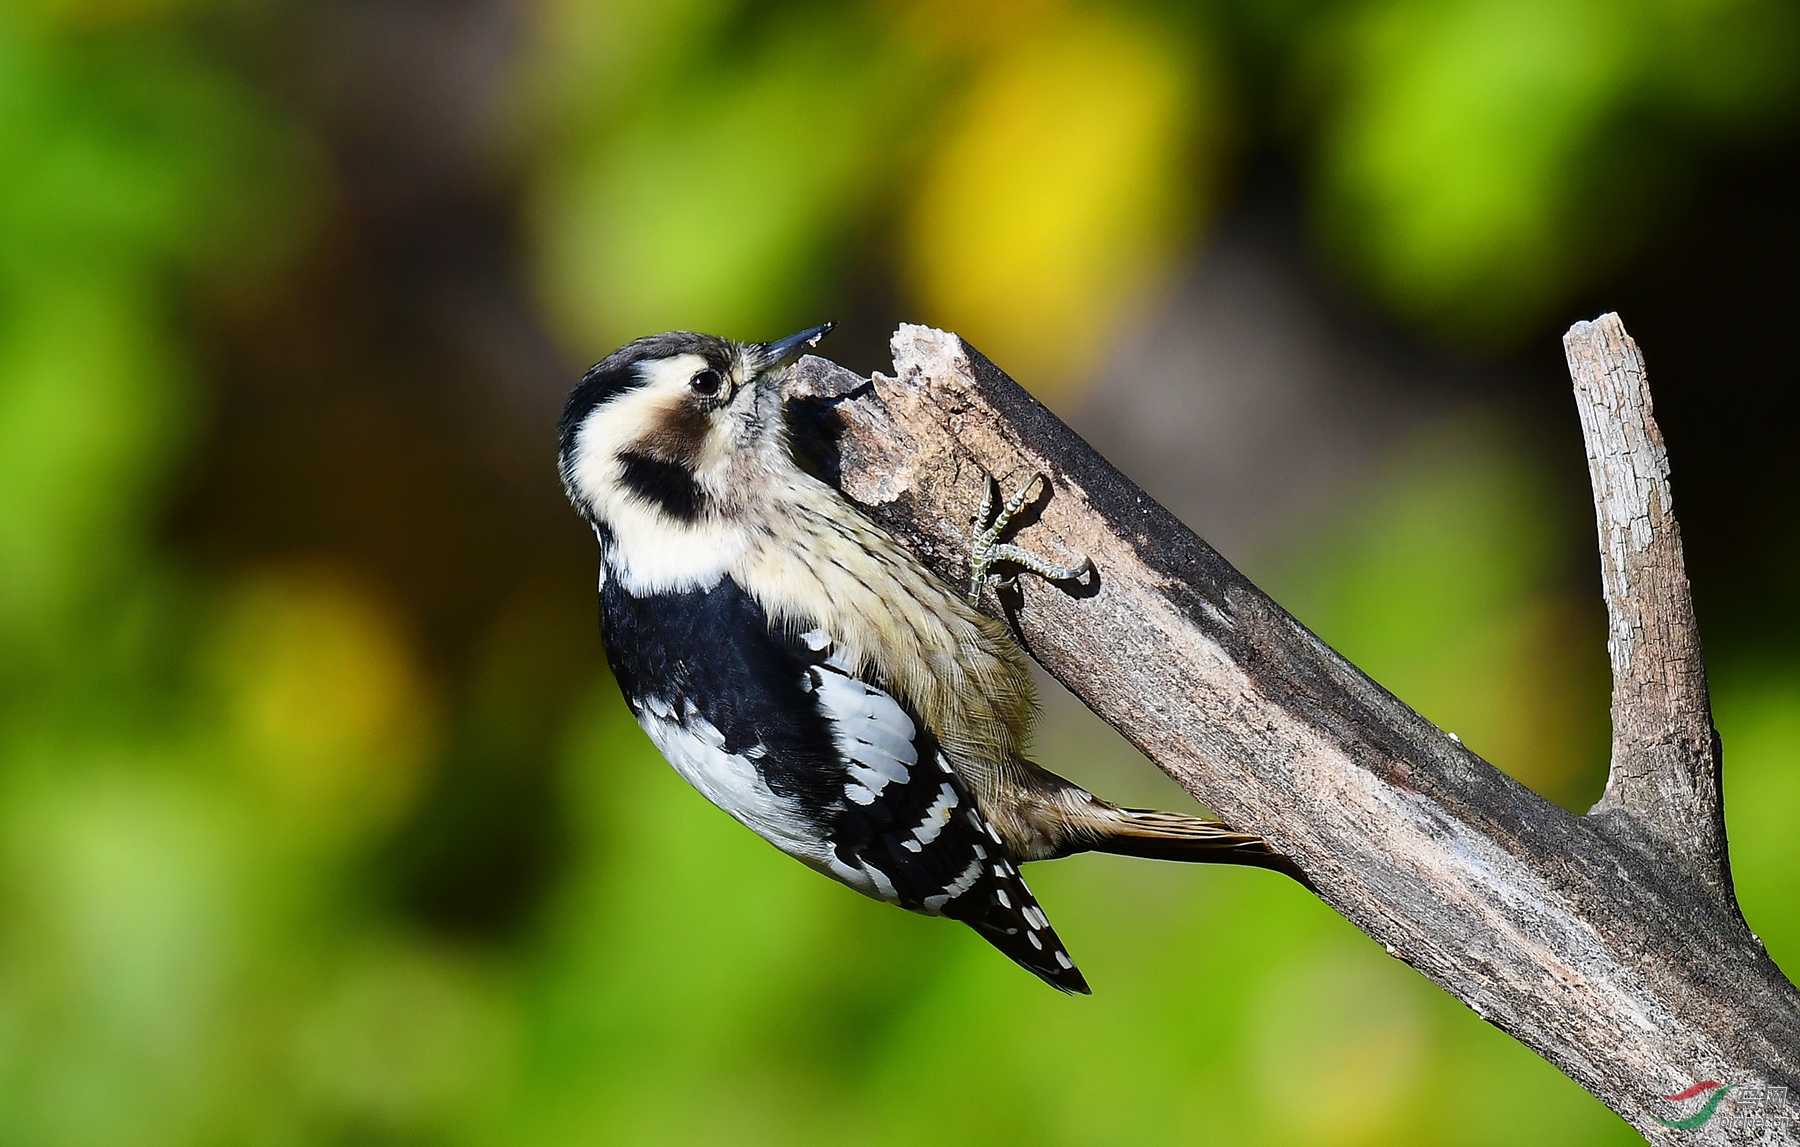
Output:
x=986 y=550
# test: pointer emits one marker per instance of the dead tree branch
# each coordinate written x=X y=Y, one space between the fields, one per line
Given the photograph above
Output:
x=1664 y=774
x=1610 y=944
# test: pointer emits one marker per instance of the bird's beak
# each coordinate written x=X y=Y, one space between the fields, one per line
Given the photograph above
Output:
x=775 y=355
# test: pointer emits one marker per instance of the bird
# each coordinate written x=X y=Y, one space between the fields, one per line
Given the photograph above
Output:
x=806 y=673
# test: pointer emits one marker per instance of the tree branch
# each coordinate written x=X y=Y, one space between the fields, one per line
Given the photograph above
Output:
x=1665 y=765
x=1618 y=962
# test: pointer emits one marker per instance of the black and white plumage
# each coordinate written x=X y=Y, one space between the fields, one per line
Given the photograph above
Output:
x=777 y=730
x=805 y=673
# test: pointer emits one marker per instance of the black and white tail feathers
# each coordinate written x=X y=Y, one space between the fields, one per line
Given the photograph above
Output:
x=1003 y=911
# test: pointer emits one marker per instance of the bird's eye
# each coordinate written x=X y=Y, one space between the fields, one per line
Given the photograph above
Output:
x=706 y=383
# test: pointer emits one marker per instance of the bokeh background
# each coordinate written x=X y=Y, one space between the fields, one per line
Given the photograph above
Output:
x=320 y=822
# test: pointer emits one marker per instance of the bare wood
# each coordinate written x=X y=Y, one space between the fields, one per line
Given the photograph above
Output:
x=1665 y=768
x=1617 y=962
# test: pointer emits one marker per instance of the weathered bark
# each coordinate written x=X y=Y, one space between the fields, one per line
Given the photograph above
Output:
x=1610 y=944
x=1665 y=766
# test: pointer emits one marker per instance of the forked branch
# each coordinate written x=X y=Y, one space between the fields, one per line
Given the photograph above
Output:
x=1619 y=958
x=1664 y=772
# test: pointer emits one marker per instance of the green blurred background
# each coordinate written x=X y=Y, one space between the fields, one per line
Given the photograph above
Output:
x=319 y=819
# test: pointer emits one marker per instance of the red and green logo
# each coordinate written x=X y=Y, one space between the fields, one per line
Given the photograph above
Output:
x=1714 y=1092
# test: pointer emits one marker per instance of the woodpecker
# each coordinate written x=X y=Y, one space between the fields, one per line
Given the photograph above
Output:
x=806 y=673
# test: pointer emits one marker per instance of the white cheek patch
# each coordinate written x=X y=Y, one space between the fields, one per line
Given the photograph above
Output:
x=650 y=552
x=608 y=431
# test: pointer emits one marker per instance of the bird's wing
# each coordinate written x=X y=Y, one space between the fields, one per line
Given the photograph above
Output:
x=910 y=826
x=827 y=765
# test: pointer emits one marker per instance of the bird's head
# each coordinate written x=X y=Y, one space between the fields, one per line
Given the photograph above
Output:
x=667 y=424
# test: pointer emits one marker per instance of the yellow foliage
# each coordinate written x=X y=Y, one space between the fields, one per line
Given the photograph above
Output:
x=325 y=700
x=1067 y=183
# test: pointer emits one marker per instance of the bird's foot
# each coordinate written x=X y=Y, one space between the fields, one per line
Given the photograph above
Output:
x=986 y=550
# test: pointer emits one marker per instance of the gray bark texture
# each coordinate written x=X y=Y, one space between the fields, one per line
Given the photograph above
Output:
x=1611 y=944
